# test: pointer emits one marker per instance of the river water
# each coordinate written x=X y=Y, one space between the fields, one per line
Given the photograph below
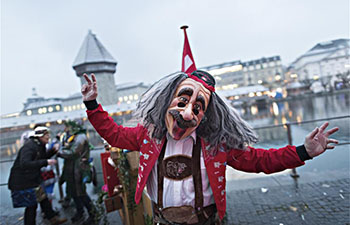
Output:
x=302 y=109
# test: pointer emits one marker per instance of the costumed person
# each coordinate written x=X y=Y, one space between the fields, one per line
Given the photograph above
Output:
x=186 y=137
x=78 y=170
x=25 y=177
x=64 y=137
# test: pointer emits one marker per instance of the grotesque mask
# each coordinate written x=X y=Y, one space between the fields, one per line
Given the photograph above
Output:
x=187 y=108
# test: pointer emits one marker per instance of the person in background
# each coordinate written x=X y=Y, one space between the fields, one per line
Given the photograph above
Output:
x=25 y=177
x=64 y=137
x=77 y=170
x=47 y=173
x=25 y=136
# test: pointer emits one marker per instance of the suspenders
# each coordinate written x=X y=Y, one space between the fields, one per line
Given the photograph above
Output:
x=196 y=174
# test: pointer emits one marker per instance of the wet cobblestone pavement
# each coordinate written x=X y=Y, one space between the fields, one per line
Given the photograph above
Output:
x=323 y=202
x=15 y=216
x=272 y=200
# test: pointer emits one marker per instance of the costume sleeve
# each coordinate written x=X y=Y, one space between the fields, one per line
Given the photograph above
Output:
x=27 y=159
x=116 y=135
x=66 y=154
x=262 y=160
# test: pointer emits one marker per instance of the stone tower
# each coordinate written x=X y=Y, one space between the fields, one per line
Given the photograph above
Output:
x=94 y=58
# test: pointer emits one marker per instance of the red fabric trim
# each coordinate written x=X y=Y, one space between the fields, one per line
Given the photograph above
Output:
x=210 y=88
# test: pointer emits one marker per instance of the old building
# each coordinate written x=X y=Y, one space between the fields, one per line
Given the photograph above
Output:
x=263 y=71
x=119 y=100
x=227 y=75
x=323 y=61
x=236 y=74
x=94 y=58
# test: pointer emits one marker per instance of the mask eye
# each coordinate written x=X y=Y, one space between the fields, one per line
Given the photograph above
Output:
x=182 y=102
x=196 y=109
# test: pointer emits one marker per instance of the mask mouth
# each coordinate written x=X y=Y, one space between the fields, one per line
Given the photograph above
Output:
x=183 y=124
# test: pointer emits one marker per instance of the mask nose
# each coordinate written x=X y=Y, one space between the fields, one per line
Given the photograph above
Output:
x=187 y=113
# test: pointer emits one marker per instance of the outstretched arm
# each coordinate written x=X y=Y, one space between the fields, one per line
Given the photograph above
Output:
x=275 y=160
x=114 y=134
x=317 y=142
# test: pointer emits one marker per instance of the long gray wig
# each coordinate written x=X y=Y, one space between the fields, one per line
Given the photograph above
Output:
x=222 y=125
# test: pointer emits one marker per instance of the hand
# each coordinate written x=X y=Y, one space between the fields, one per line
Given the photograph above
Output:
x=89 y=90
x=317 y=141
x=51 y=162
x=56 y=147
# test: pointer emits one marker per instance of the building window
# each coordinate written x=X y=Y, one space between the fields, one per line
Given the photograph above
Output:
x=120 y=99
x=29 y=112
x=136 y=96
x=58 y=108
x=50 y=109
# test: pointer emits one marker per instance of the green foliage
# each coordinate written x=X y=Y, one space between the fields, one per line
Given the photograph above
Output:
x=98 y=209
x=125 y=176
x=148 y=220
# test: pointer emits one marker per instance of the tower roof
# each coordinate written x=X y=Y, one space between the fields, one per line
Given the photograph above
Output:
x=92 y=51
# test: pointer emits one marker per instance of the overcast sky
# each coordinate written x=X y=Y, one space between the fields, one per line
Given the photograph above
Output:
x=40 y=39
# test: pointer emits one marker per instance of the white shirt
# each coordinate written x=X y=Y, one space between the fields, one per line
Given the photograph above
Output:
x=179 y=193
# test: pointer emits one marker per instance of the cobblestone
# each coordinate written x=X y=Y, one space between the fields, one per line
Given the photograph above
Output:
x=283 y=203
x=15 y=216
x=286 y=204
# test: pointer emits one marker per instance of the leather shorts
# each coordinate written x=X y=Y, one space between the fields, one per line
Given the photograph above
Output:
x=185 y=215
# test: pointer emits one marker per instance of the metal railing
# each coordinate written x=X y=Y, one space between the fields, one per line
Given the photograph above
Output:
x=288 y=125
x=289 y=135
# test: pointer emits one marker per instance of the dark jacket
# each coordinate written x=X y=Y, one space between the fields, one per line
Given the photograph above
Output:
x=75 y=164
x=25 y=172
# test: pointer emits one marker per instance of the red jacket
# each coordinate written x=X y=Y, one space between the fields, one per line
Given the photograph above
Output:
x=137 y=139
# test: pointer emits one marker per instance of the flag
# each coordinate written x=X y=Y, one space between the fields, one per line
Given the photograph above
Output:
x=188 y=65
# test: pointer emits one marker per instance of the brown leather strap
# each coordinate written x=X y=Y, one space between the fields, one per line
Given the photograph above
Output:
x=197 y=177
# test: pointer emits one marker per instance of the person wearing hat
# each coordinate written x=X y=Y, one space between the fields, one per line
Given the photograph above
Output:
x=77 y=170
x=186 y=137
x=25 y=177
